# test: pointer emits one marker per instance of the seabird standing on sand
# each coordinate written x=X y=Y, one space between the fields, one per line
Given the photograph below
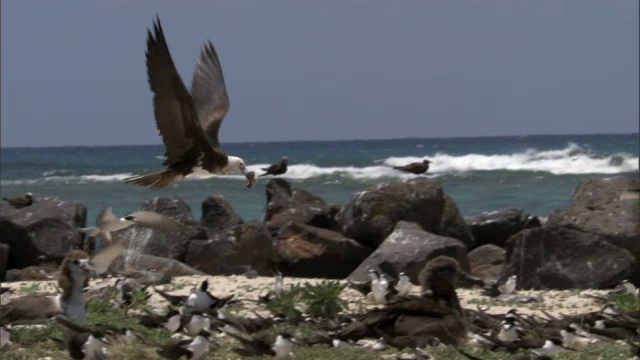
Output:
x=278 y=168
x=107 y=222
x=419 y=318
x=509 y=286
x=188 y=122
x=196 y=348
x=404 y=284
x=280 y=345
x=20 y=202
x=170 y=321
x=75 y=270
x=415 y=168
x=202 y=300
x=5 y=337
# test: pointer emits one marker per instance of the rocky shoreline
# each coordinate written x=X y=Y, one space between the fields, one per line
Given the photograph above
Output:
x=592 y=243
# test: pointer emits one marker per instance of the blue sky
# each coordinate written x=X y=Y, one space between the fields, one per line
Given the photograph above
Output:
x=73 y=72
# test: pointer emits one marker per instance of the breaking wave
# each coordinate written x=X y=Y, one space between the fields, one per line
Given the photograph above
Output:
x=573 y=159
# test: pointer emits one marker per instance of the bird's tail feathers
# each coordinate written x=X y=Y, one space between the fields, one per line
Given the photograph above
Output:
x=155 y=180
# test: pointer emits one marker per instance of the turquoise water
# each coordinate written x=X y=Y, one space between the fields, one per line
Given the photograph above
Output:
x=535 y=173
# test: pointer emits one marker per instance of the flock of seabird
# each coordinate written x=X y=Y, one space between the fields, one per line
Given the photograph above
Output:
x=189 y=122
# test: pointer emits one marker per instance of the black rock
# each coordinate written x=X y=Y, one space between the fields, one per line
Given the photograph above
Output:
x=408 y=248
x=371 y=215
x=560 y=258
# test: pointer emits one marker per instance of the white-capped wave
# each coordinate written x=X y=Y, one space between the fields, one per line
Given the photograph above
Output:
x=571 y=160
x=77 y=179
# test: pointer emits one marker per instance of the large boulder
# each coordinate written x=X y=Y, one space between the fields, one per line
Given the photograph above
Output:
x=218 y=216
x=308 y=251
x=598 y=206
x=288 y=204
x=4 y=260
x=243 y=248
x=52 y=226
x=371 y=215
x=560 y=258
x=408 y=248
x=22 y=251
x=143 y=240
x=495 y=227
x=486 y=261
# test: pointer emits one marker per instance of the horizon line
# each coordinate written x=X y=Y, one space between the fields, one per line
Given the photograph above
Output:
x=325 y=140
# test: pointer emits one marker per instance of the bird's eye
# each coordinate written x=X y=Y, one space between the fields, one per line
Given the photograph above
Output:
x=76 y=262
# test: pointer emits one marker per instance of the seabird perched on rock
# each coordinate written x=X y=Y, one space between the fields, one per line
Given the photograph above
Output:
x=415 y=168
x=278 y=168
x=20 y=202
x=107 y=222
x=188 y=121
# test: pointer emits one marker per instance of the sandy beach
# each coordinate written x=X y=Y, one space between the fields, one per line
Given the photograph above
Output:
x=247 y=290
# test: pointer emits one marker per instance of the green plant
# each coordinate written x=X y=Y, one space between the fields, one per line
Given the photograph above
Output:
x=31 y=289
x=626 y=301
x=287 y=303
x=321 y=300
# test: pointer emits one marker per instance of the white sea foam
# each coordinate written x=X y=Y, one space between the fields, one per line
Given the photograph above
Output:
x=109 y=178
x=573 y=159
x=570 y=160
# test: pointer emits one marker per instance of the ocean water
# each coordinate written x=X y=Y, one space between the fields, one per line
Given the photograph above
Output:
x=534 y=173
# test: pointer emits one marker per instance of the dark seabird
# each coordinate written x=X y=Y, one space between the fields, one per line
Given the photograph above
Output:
x=420 y=318
x=188 y=122
x=105 y=331
x=170 y=321
x=175 y=300
x=196 y=348
x=20 y=202
x=415 y=168
x=278 y=168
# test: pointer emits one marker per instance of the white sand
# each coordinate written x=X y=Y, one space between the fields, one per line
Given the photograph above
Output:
x=555 y=302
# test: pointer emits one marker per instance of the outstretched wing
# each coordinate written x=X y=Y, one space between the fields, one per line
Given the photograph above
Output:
x=209 y=93
x=174 y=112
x=156 y=221
x=103 y=259
x=105 y=217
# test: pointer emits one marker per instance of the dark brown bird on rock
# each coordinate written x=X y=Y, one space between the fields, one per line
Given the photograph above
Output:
x=278 y=168
x=419 y=319
x=415 y=168
x=20 y=202
x=188 y=121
